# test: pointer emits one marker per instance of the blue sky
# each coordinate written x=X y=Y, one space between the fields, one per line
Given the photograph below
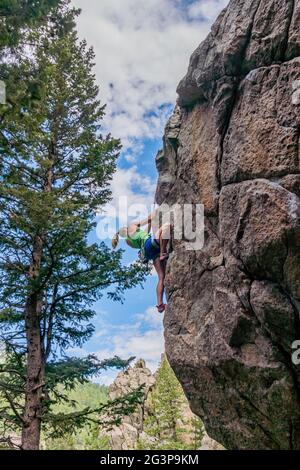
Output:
x=142 y=51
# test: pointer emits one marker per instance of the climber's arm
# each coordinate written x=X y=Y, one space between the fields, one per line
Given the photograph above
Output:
x=146 y=221
x=141 y=223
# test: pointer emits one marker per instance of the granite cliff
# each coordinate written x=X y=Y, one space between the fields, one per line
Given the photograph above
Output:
x=232 y=144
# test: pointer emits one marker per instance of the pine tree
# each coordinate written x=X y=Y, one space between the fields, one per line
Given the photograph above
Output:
x=21 y=22
x=17 y=15
x=55 y=172
x=167 y=422
x=197 y=432
x=166 y=405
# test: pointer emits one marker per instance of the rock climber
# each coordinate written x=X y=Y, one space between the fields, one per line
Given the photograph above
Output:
x=151 y=248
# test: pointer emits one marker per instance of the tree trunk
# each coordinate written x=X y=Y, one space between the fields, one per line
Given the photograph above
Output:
x=35 y=359
x=32 y=417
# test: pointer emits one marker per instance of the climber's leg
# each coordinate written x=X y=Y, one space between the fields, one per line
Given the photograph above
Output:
x=164 y=235
x=160 y=269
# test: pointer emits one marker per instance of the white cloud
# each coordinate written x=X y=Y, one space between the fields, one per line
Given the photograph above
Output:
x=142 y=51
x=206 y=9
x=138 y=188
x=148 y=345
x=132 y=198
x=150 y=317
x=142 y=339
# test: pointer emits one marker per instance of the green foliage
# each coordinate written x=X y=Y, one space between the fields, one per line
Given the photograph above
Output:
x=58 y=424
x=73 y=407
x=17 y=15
x=89 y=438
x=56 y=169
x=88 y=395
x=84 y=395
x=166 y=403
x=118 y=363
x=197 y=432
x=165 y=424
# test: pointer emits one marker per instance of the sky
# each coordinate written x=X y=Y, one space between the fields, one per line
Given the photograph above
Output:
x=142 y=51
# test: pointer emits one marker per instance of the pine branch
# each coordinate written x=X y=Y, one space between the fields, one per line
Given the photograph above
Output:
x=9 y=441
x=9 y=370
x=14 y=408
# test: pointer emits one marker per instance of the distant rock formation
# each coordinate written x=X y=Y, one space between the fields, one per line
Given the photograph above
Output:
x=233 y=145
x=126 y=436
x=131 y=431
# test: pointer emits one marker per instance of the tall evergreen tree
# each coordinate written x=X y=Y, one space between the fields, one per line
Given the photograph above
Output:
x=166 y=405
x=55 y=172
x=17 y=15
x=167 y=421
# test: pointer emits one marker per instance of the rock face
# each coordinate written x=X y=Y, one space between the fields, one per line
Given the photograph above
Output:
x=233 y=145
x=125 y=436
x=132 y=429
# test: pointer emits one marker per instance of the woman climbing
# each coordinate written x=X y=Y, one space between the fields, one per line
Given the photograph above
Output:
x=151 y=248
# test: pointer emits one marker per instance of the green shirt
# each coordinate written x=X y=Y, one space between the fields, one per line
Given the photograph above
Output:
x=138 y=239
